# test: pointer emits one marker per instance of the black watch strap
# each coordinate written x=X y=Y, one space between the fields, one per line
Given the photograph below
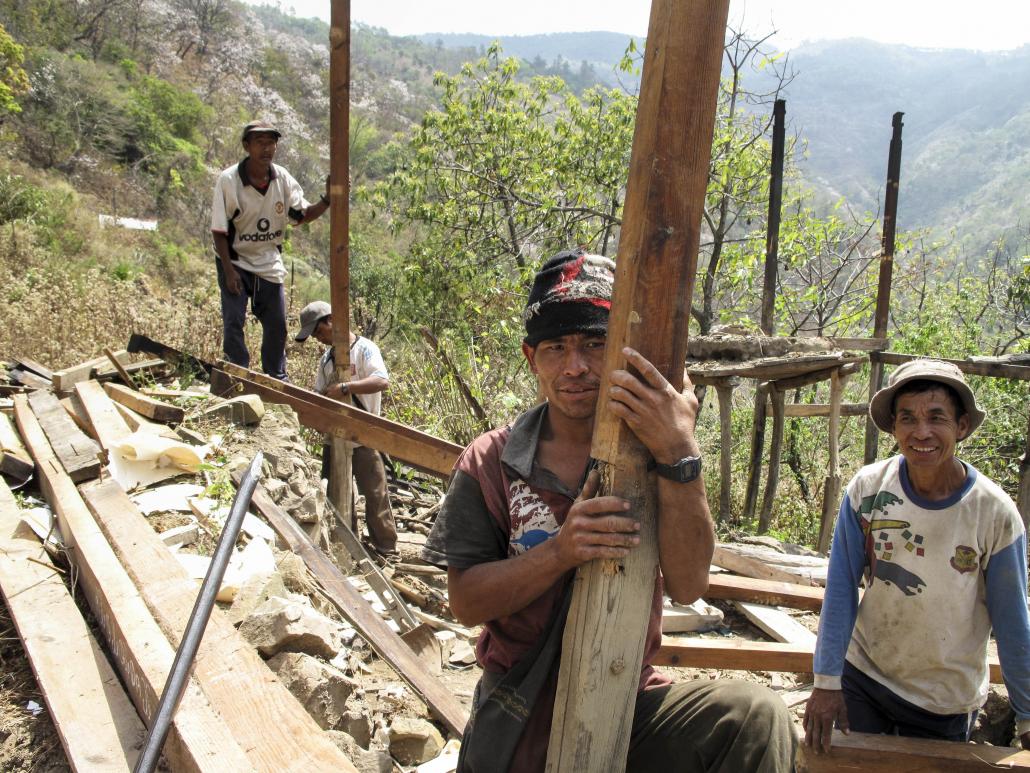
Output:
x=685 y=470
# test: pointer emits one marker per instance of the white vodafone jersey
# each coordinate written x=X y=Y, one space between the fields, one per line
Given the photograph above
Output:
x=255 y=222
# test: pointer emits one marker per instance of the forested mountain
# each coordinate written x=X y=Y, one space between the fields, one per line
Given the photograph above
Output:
x=967 y=121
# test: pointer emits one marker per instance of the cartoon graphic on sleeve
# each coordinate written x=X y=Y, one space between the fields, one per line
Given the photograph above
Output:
x=532 y=521
x=881 y=545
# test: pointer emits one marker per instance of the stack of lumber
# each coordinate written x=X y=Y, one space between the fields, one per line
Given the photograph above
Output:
x=235 y=715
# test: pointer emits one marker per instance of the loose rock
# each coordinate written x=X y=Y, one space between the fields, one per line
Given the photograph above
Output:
x=283 y=625
x=321 y=689
x=414 y=741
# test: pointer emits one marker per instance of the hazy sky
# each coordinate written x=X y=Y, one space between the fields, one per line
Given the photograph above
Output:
x=987 y=25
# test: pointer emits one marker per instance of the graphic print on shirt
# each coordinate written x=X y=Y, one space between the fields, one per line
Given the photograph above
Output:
x=881 y=544
x=964 y=559
x=532 y=521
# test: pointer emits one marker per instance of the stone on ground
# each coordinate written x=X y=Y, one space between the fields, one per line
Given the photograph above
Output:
x=283 y=625
x=320 y=688
x=374 y=761
x=414 y=741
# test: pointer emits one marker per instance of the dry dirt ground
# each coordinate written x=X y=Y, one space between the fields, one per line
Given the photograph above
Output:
x=29 y=742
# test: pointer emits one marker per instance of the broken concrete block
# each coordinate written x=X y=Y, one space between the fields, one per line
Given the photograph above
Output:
x=685 y=618
x=446 y=762
x=181 y=535
x=276 y=489
x=307 y=510
x=358 y=726
x=254 y=592
x=321 y=689
x=365 y=761
x=414 y=741
x=282 y=625
x=245 y=410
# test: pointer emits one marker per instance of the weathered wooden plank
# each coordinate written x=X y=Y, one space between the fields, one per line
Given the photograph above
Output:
x=65 y=379
x=778 y=625
x=106 y=737
x=860 y=344
x=773 y=368
x=29 y=379
x=889 y=754
x=417 y=449
x=993 y=369
x=80 y=456
x=654 y=282
x=143 y=405
x=14 y=459
x=118 y=367
x=822 y=410
x=140 y=343
x=108 y=425
x=31 y=365
x=263 y=716
x=786 y=594
x=199 y=739
x=389 y=646
x=752 y=567
x=744 y=655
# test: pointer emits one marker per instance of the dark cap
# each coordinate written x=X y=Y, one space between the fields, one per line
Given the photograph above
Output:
x=572 y=293
x=260 y=127
x=310 y=316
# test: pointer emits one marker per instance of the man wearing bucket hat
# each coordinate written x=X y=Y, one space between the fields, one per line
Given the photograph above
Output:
x=521 y=515
x=942 y=551
x=253 y=201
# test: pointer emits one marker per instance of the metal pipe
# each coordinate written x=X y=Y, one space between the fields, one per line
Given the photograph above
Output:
x=194 y=633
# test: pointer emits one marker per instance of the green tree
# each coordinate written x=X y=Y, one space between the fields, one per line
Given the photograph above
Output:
x=13 y=80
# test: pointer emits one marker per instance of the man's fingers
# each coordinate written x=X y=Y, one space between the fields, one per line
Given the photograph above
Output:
x=590 y=487
x=649 y=372
x=827 y=732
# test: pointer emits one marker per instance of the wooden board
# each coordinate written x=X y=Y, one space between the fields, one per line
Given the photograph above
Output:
x=135 y=422
x=650 y=312
x=777 y=624
x=73 y=407
x=891 y=754
x=108 y=425
x=417 y=449
x=31 y=365
x=786 y=594
x=372 y=628
x=995 y=369
x=143 y=405
x=752 y=567
x=264 y=717
x=65 y=379
x=109 y=735
x=29 y=379
x=743 y=655
x=80 y=455
x=198 y=739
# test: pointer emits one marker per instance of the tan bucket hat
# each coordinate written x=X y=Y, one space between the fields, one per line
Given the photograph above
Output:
x=880 y=407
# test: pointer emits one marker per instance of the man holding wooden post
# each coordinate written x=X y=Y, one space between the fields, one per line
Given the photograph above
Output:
x=521 y=515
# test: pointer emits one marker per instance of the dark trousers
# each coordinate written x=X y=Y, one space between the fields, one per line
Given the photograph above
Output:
x=872 y=708
x=268 y=301
x=370 y=475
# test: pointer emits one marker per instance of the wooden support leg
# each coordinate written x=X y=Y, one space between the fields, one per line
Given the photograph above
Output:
x=725 y=392
x=872 y=434
x=775 y=454
x=341 y=483
x=754 y=476
x=831 y=491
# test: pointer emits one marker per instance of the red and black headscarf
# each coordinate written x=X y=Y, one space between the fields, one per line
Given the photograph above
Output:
x=572 y=293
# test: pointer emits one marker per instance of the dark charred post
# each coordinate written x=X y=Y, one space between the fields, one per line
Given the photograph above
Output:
x=883 y=289
x=754 y=475
x=777 y=398
x=772 y=233
x=339 y=229
x=654 y=283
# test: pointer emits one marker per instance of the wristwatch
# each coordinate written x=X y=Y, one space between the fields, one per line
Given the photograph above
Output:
x=683 y=471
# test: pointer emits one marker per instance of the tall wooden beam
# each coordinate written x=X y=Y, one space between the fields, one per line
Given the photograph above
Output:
x=654 y=283
x=725 y=392
x=772 y=231
x=883 y=289
x=339 y=234
x=831 y=489
x=777 y=397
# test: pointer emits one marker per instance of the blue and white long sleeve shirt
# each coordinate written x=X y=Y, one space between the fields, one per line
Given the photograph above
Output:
x=939 y=576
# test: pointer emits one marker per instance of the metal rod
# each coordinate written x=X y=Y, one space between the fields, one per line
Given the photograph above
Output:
x=191 y=638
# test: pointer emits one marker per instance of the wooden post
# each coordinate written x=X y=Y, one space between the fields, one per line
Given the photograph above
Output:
x=775 y=454
x=655 y=271
x=772 y=232
x=725 y=393
x=339 y=491
x=883 y=289
x=754 y=474
x=831 y=490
